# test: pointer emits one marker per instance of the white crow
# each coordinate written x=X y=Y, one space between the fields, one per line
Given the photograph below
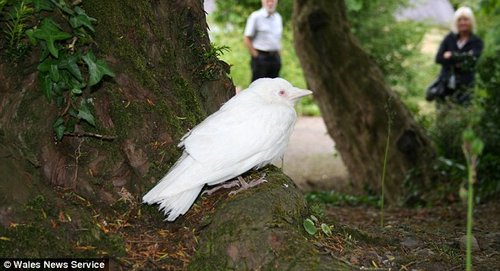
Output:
x=249 y=131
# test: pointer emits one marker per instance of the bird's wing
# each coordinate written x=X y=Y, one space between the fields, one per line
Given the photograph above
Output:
x=239 y=131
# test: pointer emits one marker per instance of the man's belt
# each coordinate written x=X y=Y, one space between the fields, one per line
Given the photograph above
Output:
x=268 y=53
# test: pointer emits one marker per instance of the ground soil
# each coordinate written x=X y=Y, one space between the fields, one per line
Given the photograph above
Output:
x=418 y=239
x=411 y=239
x=314 y=166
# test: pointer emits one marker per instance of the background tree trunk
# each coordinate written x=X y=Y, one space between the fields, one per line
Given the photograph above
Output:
x=353 y=97
x=82 y=196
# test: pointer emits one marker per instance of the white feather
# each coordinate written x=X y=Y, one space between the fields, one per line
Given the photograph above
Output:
x=250 y=130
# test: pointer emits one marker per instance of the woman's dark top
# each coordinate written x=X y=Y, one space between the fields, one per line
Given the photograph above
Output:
x=463 y=59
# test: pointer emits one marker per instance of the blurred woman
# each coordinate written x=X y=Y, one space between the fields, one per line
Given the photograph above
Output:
x=458 y=54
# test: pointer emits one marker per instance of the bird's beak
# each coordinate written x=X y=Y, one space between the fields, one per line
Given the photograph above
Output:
x=298 y=93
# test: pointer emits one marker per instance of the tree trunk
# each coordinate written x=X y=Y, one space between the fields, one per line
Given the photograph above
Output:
x=353 y=99
x=166 y=82
x=81 y=197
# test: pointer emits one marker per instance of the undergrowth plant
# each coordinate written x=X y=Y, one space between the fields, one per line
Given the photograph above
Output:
x=67 y=66
x=472 y=147
x=390 y=116
x=15 y=27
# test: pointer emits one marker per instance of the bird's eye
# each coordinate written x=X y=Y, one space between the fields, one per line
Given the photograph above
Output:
x=281 y=92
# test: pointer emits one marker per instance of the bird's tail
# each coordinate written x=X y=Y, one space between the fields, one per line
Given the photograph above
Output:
x=174 y=206
x=173 y=192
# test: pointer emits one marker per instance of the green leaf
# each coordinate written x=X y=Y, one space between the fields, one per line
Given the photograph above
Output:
x=85 y=114
x=45 y=65
x=59 y=131
x=76 y=91
x=59 y=121
x=354 y=5
x=468 y=135
x=63 y=6
x=477 y=146
x=82 y=19
x=54 y=73
x=40 y=5
x=69 y=63
x=326 y=229
x=309 y=226
x=47 y=87
x=50 y=32
x=31 y=38
x=97 y=68
x=59 y=128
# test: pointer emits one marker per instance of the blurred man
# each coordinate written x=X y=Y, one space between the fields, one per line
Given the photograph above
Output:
x=263 y=39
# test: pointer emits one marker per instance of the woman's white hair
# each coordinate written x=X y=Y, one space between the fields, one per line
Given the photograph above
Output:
x=463 y=12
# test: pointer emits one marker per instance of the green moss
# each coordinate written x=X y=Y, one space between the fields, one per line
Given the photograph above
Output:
x=271 y=213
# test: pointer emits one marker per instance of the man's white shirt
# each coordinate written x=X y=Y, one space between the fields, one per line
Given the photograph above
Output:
x=265 y=30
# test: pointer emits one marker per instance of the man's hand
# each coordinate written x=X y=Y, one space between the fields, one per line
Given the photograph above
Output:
x=254 y=53
x=248 y=43
x=447 y=55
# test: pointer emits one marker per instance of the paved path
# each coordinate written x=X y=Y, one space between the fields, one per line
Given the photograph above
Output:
x=311 y=159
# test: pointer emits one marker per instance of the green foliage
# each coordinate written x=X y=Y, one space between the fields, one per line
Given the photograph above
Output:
x=390 y=117
x=335 y=198
x=49 y=32
x=311 y=223
x=237 y=12
x=309 y=226
x=388 y=42
x=473 y=147
x=67 y=67
x=488 y=127
x=452 y=121
x=16 y=24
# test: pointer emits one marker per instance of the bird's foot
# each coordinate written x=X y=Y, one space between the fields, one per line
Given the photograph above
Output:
x=225 y=185
x=244 y=185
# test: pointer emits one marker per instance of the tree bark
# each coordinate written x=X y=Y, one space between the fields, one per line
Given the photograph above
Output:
x=353 y=99
x=167 y=80
x=81 y=197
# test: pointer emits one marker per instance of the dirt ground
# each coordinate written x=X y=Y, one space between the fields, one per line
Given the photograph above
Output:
x=314 y=166
x=416 y=239
x=411 y=239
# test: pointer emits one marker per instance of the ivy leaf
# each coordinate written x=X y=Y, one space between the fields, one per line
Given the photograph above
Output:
x=40 y=5
x=82 y=19
x=85 y=114
x=50 y=32
x=63 y=6
x=97 y=68
x=69 y=63
x=47 y=87
x=309 y=226
x=54 y=73
x=45 y=65
x=45 y=51
x=29 y=34
x=59 y=128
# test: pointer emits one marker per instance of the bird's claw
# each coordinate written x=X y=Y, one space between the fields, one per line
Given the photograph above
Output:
x=217 y=188
x=244 y=185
